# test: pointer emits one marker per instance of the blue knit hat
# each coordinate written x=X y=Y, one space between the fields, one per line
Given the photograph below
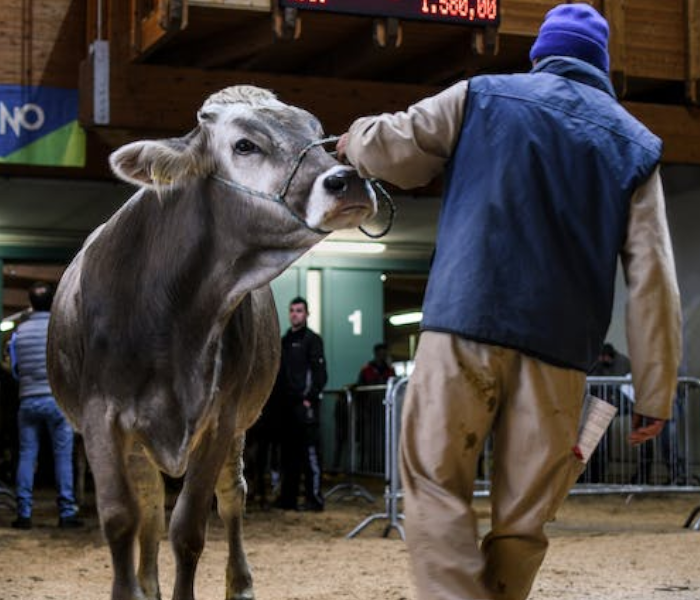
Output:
x=576 y=30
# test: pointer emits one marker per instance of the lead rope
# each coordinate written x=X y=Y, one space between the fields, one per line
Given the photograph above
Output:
x=371 y=184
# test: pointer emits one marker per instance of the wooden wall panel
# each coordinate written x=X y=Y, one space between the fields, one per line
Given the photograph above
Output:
x=693 y=51
x=43 y=42
x=525 y=17
x=655 y=32
x=677 y=126
x=655 y=39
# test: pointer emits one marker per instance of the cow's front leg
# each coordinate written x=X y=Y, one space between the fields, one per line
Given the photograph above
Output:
x=188 y=521
x=230 y=495
x=117 y=505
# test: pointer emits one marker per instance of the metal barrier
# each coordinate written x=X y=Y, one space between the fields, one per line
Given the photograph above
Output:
x=666 y=464
x=346 y=444
x=393 y=403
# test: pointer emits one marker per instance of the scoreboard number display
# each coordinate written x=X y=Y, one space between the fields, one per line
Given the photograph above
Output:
x=468 y=12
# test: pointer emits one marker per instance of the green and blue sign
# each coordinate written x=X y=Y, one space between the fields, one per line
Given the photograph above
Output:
x=39 y=126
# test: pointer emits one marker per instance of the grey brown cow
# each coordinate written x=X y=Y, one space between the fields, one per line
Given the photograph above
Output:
x=164 y=342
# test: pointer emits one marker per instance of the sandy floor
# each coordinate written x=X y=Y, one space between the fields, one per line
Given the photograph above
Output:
x=602 y=548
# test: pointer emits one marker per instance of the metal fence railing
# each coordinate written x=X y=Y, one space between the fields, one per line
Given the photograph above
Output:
x=669 y=463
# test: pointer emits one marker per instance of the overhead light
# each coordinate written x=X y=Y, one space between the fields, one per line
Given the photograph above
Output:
x=333 y=247
x=406 y=318
x=6 y=325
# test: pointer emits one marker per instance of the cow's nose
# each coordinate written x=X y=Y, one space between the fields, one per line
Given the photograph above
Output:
x=337 y=184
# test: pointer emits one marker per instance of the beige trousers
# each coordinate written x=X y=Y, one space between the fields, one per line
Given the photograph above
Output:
x=459 y=393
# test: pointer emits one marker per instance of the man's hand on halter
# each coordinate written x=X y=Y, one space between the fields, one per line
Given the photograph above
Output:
x=340 y=147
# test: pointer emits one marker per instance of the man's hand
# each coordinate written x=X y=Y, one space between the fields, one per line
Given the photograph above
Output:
x=644 y=429
x=340 y=147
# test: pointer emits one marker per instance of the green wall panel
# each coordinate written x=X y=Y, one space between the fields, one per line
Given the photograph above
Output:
x=353 y=312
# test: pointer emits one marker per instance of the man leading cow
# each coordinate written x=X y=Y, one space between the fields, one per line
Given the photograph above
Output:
x=548 y=180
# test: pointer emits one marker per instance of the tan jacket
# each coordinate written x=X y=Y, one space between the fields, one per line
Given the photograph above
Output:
x=410 y=148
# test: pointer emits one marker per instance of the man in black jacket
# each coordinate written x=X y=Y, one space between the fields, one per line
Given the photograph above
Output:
x=300 y=382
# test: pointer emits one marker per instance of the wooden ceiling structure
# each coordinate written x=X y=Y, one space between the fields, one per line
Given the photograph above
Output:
x=143 y=67
x=166 y=56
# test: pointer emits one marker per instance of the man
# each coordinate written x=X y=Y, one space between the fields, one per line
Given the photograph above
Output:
x=300 y=382
x=38 y=410
x=547 y=180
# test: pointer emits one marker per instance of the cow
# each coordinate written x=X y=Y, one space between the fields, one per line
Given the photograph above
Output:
x=164 y=341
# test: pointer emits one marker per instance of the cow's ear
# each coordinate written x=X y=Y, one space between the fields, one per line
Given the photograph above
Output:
x=155 y=164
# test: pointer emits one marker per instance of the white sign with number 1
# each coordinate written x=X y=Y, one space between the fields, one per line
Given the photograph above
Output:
x=356 y=319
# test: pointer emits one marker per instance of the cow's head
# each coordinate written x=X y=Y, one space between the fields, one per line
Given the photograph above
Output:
x=261 y=148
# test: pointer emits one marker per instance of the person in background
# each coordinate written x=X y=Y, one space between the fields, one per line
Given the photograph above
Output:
x=368 y=405
x=38 y=410
x=547 y=181
x=301 y=380
x=262 y=448
x=378 y=370
x=611 y=363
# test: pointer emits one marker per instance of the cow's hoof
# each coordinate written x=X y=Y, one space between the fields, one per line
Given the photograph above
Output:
x=244 y=595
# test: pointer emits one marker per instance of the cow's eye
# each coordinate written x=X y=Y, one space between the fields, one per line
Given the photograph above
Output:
x=245 y=146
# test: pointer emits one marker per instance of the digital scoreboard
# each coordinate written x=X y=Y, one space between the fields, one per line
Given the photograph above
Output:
x=468 y=12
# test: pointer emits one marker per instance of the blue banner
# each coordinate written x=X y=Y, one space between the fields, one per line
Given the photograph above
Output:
x=39 y=125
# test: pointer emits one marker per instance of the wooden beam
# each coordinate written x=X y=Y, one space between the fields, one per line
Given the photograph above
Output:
x=27 y=274
x=142 y=102
x=677 y=126
x=692 y=80
x=143 y=96
x=250 y=39
x=152 y=29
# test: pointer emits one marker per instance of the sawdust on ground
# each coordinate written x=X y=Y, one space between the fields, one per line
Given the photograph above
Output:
x=602 y=548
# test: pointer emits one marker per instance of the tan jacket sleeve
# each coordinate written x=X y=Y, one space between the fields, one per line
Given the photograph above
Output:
x=653 y=307
x=409 y=148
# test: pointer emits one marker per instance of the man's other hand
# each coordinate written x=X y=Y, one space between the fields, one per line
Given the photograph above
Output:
x=644 y=429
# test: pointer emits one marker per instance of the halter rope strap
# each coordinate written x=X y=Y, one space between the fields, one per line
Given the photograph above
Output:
x=279 y=197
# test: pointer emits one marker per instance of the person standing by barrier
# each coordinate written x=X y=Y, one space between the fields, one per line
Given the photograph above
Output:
x=301 y=380
x=548 y=179
x=370 y=429
x=378 y=370
x=38 y=409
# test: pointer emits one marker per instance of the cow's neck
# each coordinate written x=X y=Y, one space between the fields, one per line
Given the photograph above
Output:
x=235 y=244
